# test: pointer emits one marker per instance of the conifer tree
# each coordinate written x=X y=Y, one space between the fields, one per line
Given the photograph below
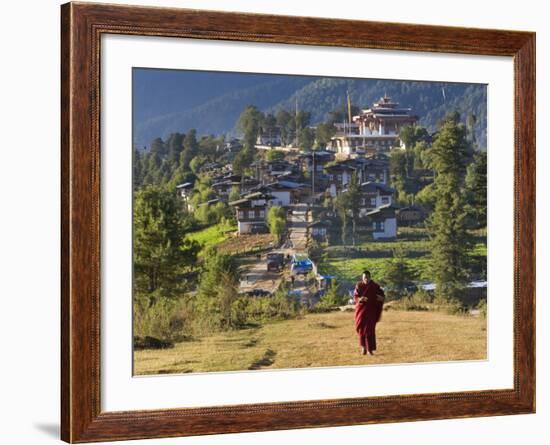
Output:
x=450 y=242
x=161 y=252
x=353 y=201
x=476 y=187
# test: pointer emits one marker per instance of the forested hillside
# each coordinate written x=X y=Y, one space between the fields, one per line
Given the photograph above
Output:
x=429 y=100
x=218 y=114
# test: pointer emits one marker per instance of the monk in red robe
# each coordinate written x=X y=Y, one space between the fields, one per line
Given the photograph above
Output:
x=369 y=300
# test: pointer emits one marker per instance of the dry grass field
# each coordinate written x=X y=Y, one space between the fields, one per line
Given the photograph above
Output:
x=328 y=339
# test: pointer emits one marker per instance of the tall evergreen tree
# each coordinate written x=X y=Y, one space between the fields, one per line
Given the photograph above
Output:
x=158 y=146
x=138 y=169
x=161 y=252
x=268 y=125
x=450 y=242
x=341 y=206
x=353 y=201
x=190 y=149
x=283 y=119
x=307 y=138
x=217 y=291
x=174 y=148
x=476 y=187
x=323 y=133
x=398 y=275
x=249 y=124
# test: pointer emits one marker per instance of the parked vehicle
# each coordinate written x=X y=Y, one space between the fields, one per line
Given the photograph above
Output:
x=300 y=265
x=275 y=261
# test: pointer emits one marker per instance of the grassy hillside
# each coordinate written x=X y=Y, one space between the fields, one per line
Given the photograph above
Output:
x=318 y=340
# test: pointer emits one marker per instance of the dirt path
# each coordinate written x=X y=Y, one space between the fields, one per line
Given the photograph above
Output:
x=254 y=274
x=298 y=228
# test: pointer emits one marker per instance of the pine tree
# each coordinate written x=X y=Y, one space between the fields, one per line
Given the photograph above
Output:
x=249 y=125
x=283 y=121
x=450 y=242
x=190 y=149
x=476 y=187
x=398 y=275
x=341 y=206
x=138 y=169
x=353 y=201
x=161 y=253
x=158 y=146
x=217 y=291
x=175 y=147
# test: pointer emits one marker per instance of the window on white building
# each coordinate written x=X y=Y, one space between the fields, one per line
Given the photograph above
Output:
x=378 y=226
x=262 y=213
x=251 y=214
x=385 y=199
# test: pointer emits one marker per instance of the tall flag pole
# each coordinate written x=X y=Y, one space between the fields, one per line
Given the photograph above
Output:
x=296 y=124
x=349 y=110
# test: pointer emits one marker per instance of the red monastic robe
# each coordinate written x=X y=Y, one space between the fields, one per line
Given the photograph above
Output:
x=368 y=313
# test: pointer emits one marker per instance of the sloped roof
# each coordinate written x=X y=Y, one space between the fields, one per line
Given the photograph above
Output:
x=380 y=209
x=320 y=223
x=377 y=186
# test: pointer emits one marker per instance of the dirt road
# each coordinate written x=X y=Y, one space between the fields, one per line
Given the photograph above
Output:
x=254 y=274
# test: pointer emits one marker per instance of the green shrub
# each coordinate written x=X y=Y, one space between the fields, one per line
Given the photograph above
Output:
x=451 y=306
x=165 y=319
x=482 y=307
x=333 y=297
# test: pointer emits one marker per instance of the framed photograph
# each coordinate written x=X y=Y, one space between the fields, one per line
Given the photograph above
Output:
x=274 y=222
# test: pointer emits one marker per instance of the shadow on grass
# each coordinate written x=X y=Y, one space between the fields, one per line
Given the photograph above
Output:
x=322 y=325
x=267 y=360
x=251 y=343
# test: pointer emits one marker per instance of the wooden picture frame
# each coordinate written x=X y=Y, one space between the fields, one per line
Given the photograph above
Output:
x=82 y=26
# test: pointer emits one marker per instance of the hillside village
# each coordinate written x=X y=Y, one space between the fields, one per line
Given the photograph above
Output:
x=284 y=219
x=307 y=185
x=307 y=178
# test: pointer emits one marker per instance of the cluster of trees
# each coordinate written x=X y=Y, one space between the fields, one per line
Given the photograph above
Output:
x=450 y=155
x=176 y=160
x=204 y=213
x=163 y=257
x=293 y=129
x=218 y=305
x=414 y=171
x=167 y=269
x=347 y=205
x=455 y=193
